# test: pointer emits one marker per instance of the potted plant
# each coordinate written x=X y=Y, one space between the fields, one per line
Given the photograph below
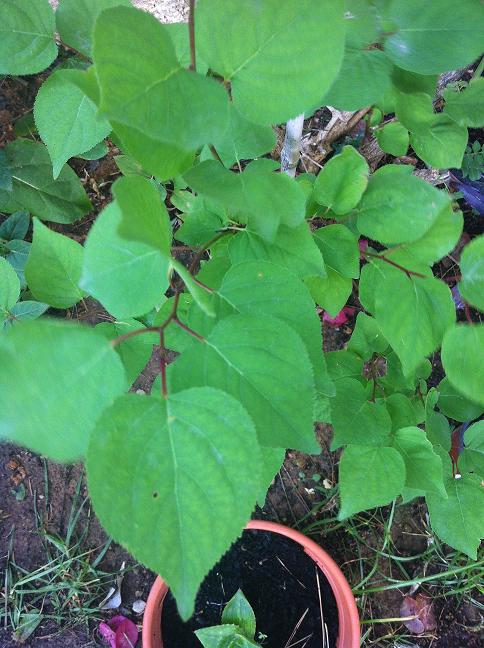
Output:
x=191 y=110
x=345 y=626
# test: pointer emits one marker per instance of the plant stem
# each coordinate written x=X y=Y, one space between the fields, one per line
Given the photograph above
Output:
x=127 y=336
x=213 y=151
x=186 y=328
x=408 y=272
x=292 y=145
x=191 y=29
x=198 y=257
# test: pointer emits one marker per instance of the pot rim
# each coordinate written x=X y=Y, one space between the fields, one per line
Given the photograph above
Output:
x=349 y=624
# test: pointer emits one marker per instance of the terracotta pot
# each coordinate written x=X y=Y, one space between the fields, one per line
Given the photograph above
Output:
x=349 y=626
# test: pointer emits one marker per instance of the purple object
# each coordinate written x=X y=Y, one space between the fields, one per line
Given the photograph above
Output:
x=456 y=296
x=472 y=190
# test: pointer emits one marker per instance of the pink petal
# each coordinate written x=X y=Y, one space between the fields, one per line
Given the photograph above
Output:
x=341 y=317
x=107 y=634
x=119 y=632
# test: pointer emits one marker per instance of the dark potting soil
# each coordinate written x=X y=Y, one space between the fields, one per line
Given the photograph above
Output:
x=280 y=582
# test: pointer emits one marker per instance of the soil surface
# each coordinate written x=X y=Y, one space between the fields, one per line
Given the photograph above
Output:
x=280 y=582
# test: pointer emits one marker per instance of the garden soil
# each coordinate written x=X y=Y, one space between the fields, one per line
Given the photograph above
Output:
x=36 y=494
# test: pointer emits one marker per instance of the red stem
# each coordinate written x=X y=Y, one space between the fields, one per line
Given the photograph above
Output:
x=164 y=389
x=395 y=265
x=186 y=328
x=191 y=29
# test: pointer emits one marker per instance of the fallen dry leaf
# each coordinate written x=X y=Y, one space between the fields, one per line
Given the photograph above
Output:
x=421 y=608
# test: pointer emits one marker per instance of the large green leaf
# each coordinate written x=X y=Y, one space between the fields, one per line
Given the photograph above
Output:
x=369 y=477
x=280 y=57
x=135 y=351
x=433 y=37
x=393 y=138
x=62 y=201
x=466 y=107
x=400 y=211
x=76 y=127
x=472 y=457
x=258 y=196
x=456 y=406
x=144 y=216
x=471 y=286
x=257 y=360
x=224 y=636
x=330 y=292
x=463 y=359
x=458 y=519
x=199 y=479
x=68 y=375
x=76 y=19
x=144 y=87
x=442 y=145
x=27 y=36
x=367 y=338
x=294 y=248
x=242 y=140
x=341 y=183
x=423 y=467
x=438 y=240
x=364 y=77
x=355 y=419
x=54 y=267
x=127 y=277
x=9 y=287
x=15 y=227
x=340 y=250
x=413 y=313
x=24 y=310
x=260 y=288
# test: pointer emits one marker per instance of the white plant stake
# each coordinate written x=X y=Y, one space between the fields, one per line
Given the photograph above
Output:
x=292 y=145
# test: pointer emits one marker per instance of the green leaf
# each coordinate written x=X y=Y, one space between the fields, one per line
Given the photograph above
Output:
x=17 y=256
x=27 y=38
x=412 y=313
x=54 y=267
x=239 y=612
x=340 y=249
x=179 y=34
x=15 y=226
x=9 y=286
x=258 y=196
x=76 y=19
x=68 y=375
x=454 y=405
x=260 y=288
x=423 y=467
x=257 y=361
x=144 y=216
x=466 y=107
x=6 y=183
x=434 y=37
x=355 y=419
x=472 y=457
x=343 y=364
x=463 y=359
x=200 y=224
x=114 y=268
x=144 y=87
x=224 y=636
x=367 y=338
x=369 y=477
x=401 y=411
x=331 y=292
x=135 y=351
x=24 y=310
x=76 y=127
x=280 y=57
x=293 y=248
x=363 y=79
x=342 y=181
x=442 y=145
x=393 y=138
x=95 y=153
x=203 y=462
x=457 y=520
x=471 y=286
x=437 y=426
x=242 y=140
x=175 y=337
x=438 y=240
x=62 y=201
x=399 y=212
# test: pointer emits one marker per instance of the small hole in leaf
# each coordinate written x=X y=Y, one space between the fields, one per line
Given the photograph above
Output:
x=155 y=495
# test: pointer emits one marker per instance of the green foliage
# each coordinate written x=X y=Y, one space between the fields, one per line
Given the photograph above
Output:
x=473 y=161
x=194 y=457
x=238 y=629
